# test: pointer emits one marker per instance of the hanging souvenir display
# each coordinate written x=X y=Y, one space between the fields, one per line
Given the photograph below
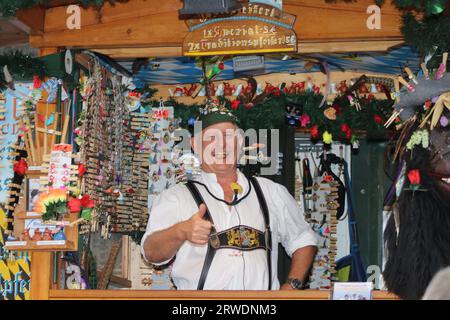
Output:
x=132 y=203
x=319 y=196
x=322 y=219
x=101 y=143
x=161 y=168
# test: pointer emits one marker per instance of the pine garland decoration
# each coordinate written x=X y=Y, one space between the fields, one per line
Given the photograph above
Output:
x=8 y=8
x=270 y=113
x=22 y=67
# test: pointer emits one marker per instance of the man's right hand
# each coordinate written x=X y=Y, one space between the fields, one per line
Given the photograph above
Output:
x=197 y=229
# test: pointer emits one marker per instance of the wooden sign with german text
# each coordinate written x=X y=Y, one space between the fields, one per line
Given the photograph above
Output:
x=255 y=28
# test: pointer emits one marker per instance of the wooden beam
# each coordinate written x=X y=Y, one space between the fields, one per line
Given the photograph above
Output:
x=33 y=18
x=110 y=13
x=9 y=40
x=348 y=46
x=41 y=267
x=130 y=53
x=303 y=47
x=150 y=24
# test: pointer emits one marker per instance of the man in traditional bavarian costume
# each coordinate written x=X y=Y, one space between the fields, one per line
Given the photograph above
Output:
x=223 y=227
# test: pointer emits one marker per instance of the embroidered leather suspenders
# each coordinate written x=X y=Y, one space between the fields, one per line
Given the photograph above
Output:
x=239 y=237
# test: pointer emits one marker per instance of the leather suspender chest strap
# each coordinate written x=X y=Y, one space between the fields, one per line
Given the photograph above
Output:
x=265 y=212
x=211 y=250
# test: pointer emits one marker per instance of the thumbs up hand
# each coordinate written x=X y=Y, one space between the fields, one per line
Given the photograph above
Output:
x=198 y=229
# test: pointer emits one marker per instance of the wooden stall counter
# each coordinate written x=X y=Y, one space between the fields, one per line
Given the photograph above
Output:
x=201 y=295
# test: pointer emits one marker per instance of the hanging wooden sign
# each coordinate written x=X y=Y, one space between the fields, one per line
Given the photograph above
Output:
x=255 y=28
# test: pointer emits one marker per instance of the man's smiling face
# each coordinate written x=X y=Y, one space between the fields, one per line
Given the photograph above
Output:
x=218 y=145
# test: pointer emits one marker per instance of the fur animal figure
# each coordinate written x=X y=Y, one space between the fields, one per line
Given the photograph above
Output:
x=417 y=235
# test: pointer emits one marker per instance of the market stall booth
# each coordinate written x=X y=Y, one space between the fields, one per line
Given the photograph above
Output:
x=95 y=134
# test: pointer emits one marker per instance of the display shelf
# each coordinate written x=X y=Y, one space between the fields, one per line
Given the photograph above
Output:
x=71 y=233
x=33 y=246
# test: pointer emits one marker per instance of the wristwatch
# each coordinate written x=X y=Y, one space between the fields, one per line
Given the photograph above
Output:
x=295 y=283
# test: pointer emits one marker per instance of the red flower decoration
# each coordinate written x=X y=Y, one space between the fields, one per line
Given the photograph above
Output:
x=86 y=202
x=414 y=177
x=344 y=128
x=378 y=119
x=74 y=205
x=235 y=104
x=315 y=131
x=20 y=167
x=348 y=134
x=328 y=178
x=37 y=83
x=81 y=170
x=221 y=66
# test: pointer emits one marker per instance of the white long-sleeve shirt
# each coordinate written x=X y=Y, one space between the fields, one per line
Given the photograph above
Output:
x=231 y=269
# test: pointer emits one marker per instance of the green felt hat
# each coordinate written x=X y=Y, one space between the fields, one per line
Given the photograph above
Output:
x=213 y=113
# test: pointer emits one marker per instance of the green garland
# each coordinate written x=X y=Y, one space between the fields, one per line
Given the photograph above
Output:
x=8 y=8
x=433 y=27
x=22 y=67
x=435 y=31
x=271 y=114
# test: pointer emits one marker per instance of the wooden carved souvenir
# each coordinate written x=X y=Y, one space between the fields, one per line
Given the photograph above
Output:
x=322 y=219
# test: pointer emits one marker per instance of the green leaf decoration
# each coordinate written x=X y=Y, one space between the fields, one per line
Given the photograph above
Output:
x=86 y=214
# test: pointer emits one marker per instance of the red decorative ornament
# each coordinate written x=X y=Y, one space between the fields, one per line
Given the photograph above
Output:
x=235 y=104
x=74 y=205
x=37 y=83
x=20 y=167
x=81 y=170
x=315 y=131
x=338 y=109
x=377 y=119
x=248 y=105
x=300 y=87
x=86 y=202
x=328 y=178
x=316 y=89
x=414 y=177
x=41 y=118
x=348 y=134
x=344 y=128
x=221 y=65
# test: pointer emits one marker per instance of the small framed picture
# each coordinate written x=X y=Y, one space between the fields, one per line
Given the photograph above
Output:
x=352 y=291
x=32 y=188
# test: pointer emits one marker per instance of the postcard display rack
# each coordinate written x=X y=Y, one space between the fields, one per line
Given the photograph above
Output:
x=31 y=233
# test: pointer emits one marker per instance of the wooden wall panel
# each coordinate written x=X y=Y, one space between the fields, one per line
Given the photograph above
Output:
x=150 y=24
